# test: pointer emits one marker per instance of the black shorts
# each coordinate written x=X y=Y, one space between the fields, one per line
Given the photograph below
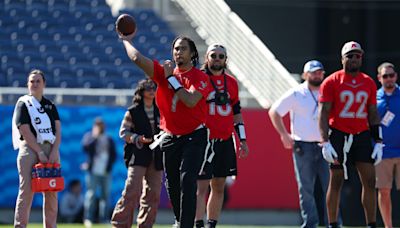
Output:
x=361 y=148
x=223 y=162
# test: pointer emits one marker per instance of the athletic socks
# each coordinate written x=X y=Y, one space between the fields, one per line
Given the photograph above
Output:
x=199 y=224
x=371 y=225
x=211 y=223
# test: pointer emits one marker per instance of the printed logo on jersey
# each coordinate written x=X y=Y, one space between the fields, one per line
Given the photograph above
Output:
x=41 y=109
x=45 y=130
x=37 y=120
x=203 y=85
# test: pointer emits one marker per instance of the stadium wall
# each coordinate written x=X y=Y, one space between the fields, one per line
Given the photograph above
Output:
x=265 y=179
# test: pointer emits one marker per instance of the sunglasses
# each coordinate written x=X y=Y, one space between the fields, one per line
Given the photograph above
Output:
x=391 y=75
x=149 y=87
x=350 y=56
x=220 y=56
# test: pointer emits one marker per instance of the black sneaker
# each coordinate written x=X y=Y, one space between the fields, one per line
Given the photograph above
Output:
x=199 y=224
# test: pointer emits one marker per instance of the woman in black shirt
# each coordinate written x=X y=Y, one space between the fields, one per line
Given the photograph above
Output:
x=38 y=137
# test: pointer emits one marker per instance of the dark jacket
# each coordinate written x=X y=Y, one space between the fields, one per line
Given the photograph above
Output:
x=141 y=126
x=89 y=146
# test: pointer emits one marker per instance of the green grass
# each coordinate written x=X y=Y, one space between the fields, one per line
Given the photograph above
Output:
x=36 y=225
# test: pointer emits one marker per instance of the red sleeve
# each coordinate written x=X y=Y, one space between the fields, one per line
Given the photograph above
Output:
x=158 y=72
x=326 y=90
x=372 y=97
x=235 y=91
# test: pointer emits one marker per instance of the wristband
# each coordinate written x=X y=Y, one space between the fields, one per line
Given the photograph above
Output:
x=376 y=133
x=239 y=127
x=174 y=83
x=135 y=140
x=133 y=137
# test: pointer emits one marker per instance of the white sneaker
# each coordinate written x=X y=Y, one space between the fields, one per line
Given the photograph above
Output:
x=176 y=225
x=87 y=223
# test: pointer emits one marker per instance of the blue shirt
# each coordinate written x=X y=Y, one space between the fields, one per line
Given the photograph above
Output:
x=390 y=133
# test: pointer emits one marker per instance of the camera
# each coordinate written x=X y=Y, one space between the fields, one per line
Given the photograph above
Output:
x=221 y=98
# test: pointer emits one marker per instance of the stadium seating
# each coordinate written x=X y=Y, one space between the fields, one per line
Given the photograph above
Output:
x=74 y=43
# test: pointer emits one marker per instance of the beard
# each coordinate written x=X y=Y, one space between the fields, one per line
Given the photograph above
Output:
x=179 y=63
x=216 y=67
x=352 y=69
x=315 y=82
x=389 y=85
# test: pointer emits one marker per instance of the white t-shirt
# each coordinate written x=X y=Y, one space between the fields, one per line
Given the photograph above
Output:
x=303 y=108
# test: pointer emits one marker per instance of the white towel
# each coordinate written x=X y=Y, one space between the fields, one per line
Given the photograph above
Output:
x=40 y=122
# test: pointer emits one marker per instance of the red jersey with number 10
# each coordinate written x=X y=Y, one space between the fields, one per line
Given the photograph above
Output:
x=175 y=117
x=220 y=119
x=350 y=97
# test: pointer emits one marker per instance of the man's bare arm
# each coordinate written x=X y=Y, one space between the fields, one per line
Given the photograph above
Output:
x=324 y=109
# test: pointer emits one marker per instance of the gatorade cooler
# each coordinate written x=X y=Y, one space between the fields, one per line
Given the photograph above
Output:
x=46 y=178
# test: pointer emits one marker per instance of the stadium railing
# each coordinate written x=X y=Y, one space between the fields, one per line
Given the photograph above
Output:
x=249 y=59
x=120 y=97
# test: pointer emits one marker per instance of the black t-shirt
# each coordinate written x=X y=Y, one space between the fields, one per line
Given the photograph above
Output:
x=22 y=114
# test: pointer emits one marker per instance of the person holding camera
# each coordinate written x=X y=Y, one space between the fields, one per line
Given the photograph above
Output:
x=224 y=116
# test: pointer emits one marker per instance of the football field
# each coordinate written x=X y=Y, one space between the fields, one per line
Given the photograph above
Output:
x=156 y=226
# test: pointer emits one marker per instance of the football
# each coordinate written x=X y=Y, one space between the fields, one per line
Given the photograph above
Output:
x=125 y=24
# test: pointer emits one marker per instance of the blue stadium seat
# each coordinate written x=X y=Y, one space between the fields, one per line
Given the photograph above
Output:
x=35 y=65
x=68 y=82
x=16 y=77
x=90 y=82
x=53 y=58
x=107 y=72
x=38 y=5
x=115 y=83
x=9 y=66
x=3 y=80
x=62 y=36
x=9 y=60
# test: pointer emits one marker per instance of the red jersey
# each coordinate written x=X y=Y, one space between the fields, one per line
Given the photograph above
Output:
x=220 y=118
x=175 y=117
x=350 y=97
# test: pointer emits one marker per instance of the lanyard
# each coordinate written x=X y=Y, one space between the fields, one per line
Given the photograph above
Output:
x=315 y=100
x=387 y=98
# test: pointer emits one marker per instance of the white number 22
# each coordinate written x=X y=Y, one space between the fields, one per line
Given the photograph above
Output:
x=360 y=98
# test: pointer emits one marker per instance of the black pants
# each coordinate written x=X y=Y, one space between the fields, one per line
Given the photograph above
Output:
x=183 y=158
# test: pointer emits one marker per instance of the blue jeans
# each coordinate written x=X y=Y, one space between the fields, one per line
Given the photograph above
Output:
x=92 y=183
x=308 y=165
